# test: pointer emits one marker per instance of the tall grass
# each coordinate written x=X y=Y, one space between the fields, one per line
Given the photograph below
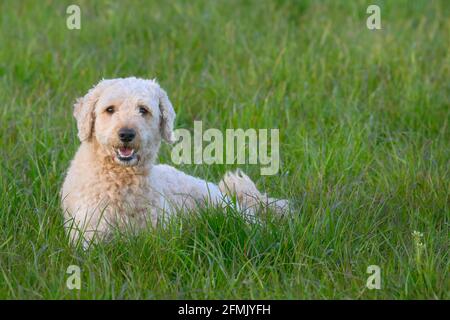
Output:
x=363 y=118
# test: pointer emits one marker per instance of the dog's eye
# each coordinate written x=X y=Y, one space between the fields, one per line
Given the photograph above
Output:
x=143 y=111
x=110 y=109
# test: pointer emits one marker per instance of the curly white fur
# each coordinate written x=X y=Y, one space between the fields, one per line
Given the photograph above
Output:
x=101 y=190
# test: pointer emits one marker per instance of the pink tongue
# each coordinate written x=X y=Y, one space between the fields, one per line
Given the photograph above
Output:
x=126 y=152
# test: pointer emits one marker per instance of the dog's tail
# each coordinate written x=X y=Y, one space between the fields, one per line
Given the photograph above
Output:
x=248 y=196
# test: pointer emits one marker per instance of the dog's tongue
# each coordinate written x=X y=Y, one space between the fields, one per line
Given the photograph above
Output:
x=126 y=152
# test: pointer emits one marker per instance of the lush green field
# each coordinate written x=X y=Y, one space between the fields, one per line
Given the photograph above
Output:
x=363 y=118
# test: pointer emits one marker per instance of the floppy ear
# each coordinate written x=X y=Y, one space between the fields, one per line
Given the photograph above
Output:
x=83 y=110
x=167 y=117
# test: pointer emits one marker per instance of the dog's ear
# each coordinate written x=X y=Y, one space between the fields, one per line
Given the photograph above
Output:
x=83 y=110
x=167 y=117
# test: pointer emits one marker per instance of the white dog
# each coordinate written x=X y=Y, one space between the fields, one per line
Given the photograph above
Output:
x=113 y=179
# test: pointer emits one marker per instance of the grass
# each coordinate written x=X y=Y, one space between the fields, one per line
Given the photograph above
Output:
x=363 y=118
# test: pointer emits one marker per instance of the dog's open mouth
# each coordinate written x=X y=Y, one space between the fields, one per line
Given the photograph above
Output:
x=125 y=154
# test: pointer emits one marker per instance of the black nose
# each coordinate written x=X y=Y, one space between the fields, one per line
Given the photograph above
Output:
x=126 y=135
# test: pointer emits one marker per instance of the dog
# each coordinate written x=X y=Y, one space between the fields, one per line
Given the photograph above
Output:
x=113 y=180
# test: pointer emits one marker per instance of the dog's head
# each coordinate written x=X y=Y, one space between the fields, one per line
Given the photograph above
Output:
x=127 y=117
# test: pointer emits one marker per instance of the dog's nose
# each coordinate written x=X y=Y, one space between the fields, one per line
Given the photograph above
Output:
x=126 y=135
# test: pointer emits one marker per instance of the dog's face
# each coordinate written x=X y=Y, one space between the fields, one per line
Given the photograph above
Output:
x=127 y=117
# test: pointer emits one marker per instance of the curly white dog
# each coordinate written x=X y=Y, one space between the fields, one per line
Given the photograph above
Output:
x=113 y=181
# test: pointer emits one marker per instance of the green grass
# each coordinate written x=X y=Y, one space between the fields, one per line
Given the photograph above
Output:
x=363 y=118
